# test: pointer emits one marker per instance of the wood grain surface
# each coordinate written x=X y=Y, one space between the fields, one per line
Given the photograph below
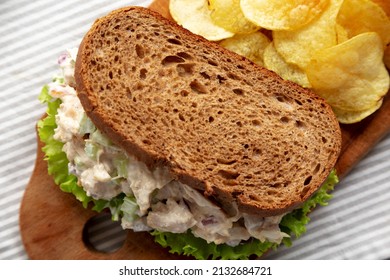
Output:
x=52 y=222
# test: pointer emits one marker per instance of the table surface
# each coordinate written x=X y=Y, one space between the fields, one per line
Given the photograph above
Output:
x=355 y=225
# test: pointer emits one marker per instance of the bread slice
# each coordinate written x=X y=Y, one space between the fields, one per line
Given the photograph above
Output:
x=218 y=122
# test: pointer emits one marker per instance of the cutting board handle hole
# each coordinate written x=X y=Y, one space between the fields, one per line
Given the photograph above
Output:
x=103 y=235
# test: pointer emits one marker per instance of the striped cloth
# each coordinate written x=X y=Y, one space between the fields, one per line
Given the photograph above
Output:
x=356 y=224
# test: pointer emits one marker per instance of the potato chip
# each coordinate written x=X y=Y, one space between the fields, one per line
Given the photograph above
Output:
x=195 y=16
x=342 y=34
x=384 y=4
x=386 y=57
x=351 y=76
x=249 y=45
x=282 y=14
x=348 y=117
x=273 y=61
x=228 y=15
x=360 y=16
x=297 y=46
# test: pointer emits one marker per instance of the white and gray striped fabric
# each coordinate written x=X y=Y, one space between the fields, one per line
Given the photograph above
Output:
x=356 y=224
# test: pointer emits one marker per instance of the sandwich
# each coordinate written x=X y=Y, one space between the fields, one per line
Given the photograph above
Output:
x=216 y=157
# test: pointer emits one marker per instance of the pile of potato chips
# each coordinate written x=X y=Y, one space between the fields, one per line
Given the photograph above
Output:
x=338 y=48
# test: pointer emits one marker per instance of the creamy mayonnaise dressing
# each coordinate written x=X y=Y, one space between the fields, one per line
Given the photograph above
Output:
x=153 y=199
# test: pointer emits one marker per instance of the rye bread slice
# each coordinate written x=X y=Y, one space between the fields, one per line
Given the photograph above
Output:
x=218 y=122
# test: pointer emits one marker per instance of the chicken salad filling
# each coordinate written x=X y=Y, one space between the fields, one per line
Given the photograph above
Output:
x=153 y=200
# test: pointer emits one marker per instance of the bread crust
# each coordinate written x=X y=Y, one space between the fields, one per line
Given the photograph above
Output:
x=282 y=146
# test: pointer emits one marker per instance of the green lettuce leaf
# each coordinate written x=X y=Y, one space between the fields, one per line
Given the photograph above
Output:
x=56 y=159
x=293 y=224
x=186 y=244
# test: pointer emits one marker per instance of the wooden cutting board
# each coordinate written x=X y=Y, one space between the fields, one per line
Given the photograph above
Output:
x=52 y=222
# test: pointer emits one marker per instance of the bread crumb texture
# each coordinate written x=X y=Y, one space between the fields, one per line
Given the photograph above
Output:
x=233 y=130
